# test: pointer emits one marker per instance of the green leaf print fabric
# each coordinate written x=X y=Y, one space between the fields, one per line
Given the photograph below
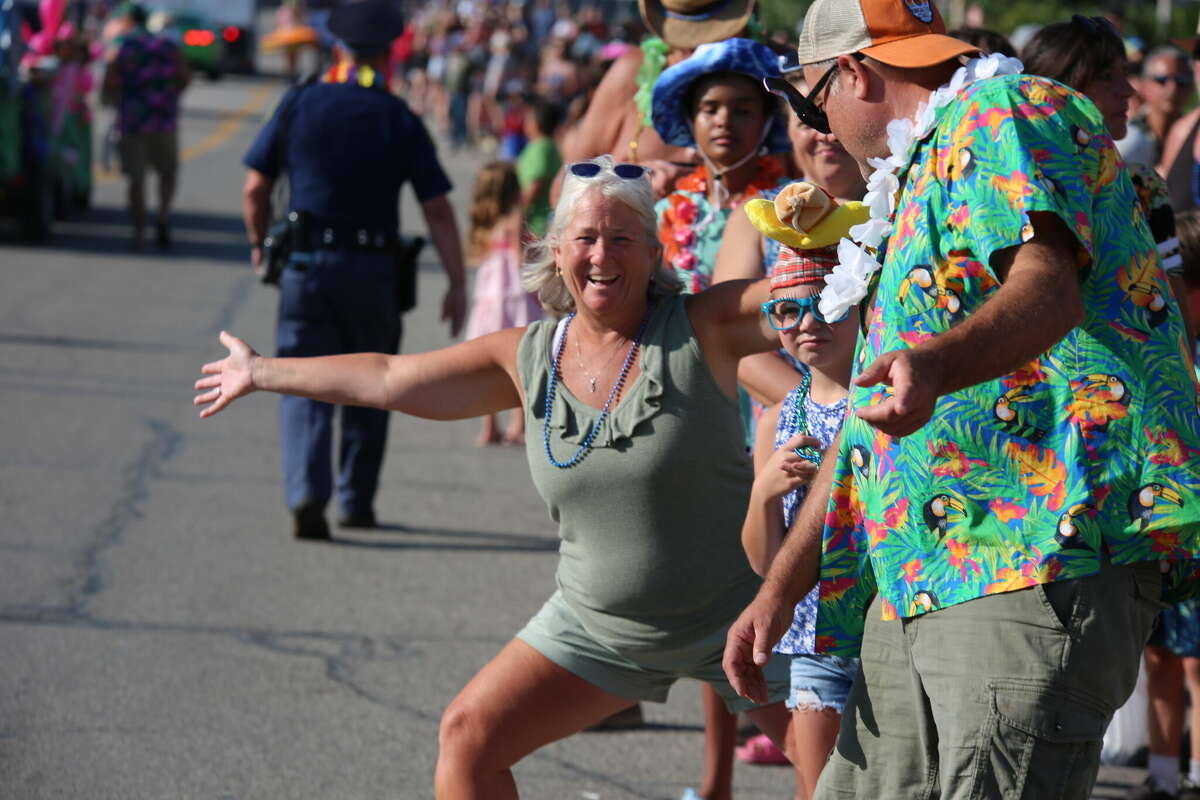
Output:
x=1026 y=478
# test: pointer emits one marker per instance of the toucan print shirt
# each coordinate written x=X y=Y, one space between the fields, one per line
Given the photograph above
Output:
x=1092 y=448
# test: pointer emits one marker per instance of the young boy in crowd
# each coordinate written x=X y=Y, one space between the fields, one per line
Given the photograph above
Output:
x=538 y=163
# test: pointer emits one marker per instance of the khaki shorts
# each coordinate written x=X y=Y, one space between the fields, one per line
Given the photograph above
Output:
x=1005 y=696
x=156 y=151
x=556 y=632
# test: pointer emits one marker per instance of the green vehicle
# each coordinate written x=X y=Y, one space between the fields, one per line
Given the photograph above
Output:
x=202 y=43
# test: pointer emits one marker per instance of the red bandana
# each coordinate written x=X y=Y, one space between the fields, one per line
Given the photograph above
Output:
x=796 y=267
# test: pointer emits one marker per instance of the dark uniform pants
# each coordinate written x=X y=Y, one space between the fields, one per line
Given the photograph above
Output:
x=331 y=302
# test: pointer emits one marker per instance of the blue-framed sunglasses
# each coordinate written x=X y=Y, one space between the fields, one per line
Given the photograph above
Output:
x=785 y=313
x=590 y=169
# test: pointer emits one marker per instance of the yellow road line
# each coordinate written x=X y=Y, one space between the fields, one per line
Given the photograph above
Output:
x=218 y=137
x=227 y=128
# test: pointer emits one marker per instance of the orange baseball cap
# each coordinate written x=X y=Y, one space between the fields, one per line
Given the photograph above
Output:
x=902 y=33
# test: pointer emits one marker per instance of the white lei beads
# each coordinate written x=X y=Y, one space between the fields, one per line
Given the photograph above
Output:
x=847 y=284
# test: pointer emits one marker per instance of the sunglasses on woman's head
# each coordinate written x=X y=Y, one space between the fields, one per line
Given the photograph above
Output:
x=809 y=112
x=785 y=313
x=590 y=169
x=1180 y=79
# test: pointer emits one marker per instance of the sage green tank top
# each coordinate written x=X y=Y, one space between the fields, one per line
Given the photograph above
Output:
x=651 y=518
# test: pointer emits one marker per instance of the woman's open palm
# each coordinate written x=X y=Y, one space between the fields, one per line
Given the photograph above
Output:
x=228 y=379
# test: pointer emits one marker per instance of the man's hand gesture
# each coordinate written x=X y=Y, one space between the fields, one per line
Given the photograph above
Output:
x=916 y=380
x=749 y=641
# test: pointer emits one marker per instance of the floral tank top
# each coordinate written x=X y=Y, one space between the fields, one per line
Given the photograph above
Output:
x=822 y=423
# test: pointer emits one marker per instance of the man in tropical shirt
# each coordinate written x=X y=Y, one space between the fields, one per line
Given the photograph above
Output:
x=144 y=78
x=1016 y=485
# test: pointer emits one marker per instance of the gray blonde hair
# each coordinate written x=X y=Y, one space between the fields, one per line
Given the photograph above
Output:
x=540 y=275
x=1163 y=51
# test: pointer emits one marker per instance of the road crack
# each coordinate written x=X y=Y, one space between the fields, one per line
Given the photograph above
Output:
x=91 y=575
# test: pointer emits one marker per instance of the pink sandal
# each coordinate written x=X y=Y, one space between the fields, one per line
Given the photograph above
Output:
x=761 y=750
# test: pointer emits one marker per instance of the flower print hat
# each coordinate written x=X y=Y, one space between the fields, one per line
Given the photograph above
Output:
x=672 y=119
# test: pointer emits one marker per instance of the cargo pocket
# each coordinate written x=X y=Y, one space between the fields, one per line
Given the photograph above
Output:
x=1038 y=742
x=1060 y=601
x=1147 y=580
x=1146 y=587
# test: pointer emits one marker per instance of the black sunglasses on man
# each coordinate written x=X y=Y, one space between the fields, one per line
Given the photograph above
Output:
x=809 y=112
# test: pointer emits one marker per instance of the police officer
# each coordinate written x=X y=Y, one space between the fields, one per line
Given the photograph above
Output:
x=347 y=145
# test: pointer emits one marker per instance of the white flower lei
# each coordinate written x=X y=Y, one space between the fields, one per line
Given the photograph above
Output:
x=847 y=284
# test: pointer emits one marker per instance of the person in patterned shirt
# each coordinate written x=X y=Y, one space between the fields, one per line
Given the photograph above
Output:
x=1088 y=54
x=145 y=75
x=1015 y=490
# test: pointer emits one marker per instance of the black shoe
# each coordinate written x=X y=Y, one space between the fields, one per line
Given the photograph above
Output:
x=358 y=519
x=1149 y=791
x=164 y=236
x=310 y=522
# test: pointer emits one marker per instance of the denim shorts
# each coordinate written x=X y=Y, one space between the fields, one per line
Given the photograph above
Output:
x=821 y=682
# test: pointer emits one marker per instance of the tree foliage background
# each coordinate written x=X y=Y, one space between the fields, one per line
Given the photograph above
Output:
x=1140 y=16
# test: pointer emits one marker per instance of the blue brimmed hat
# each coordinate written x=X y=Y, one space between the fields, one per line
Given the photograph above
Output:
x=745 y=57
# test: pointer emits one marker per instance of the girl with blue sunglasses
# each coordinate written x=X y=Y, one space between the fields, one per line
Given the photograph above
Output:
x=785 y=462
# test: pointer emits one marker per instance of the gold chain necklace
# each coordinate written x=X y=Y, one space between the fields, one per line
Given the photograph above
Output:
x=587 y=374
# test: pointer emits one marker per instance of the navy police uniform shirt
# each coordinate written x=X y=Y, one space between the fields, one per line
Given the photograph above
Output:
x=347 y=152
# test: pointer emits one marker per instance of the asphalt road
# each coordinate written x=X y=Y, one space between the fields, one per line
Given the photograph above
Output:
x=161 y=634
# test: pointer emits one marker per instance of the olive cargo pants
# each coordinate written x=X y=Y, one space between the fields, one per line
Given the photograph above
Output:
x=1006 y=696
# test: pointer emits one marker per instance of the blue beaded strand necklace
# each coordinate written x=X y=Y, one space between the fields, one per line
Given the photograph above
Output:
x=586 y=447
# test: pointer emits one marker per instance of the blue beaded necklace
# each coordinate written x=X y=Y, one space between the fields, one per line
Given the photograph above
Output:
x=586 y=447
